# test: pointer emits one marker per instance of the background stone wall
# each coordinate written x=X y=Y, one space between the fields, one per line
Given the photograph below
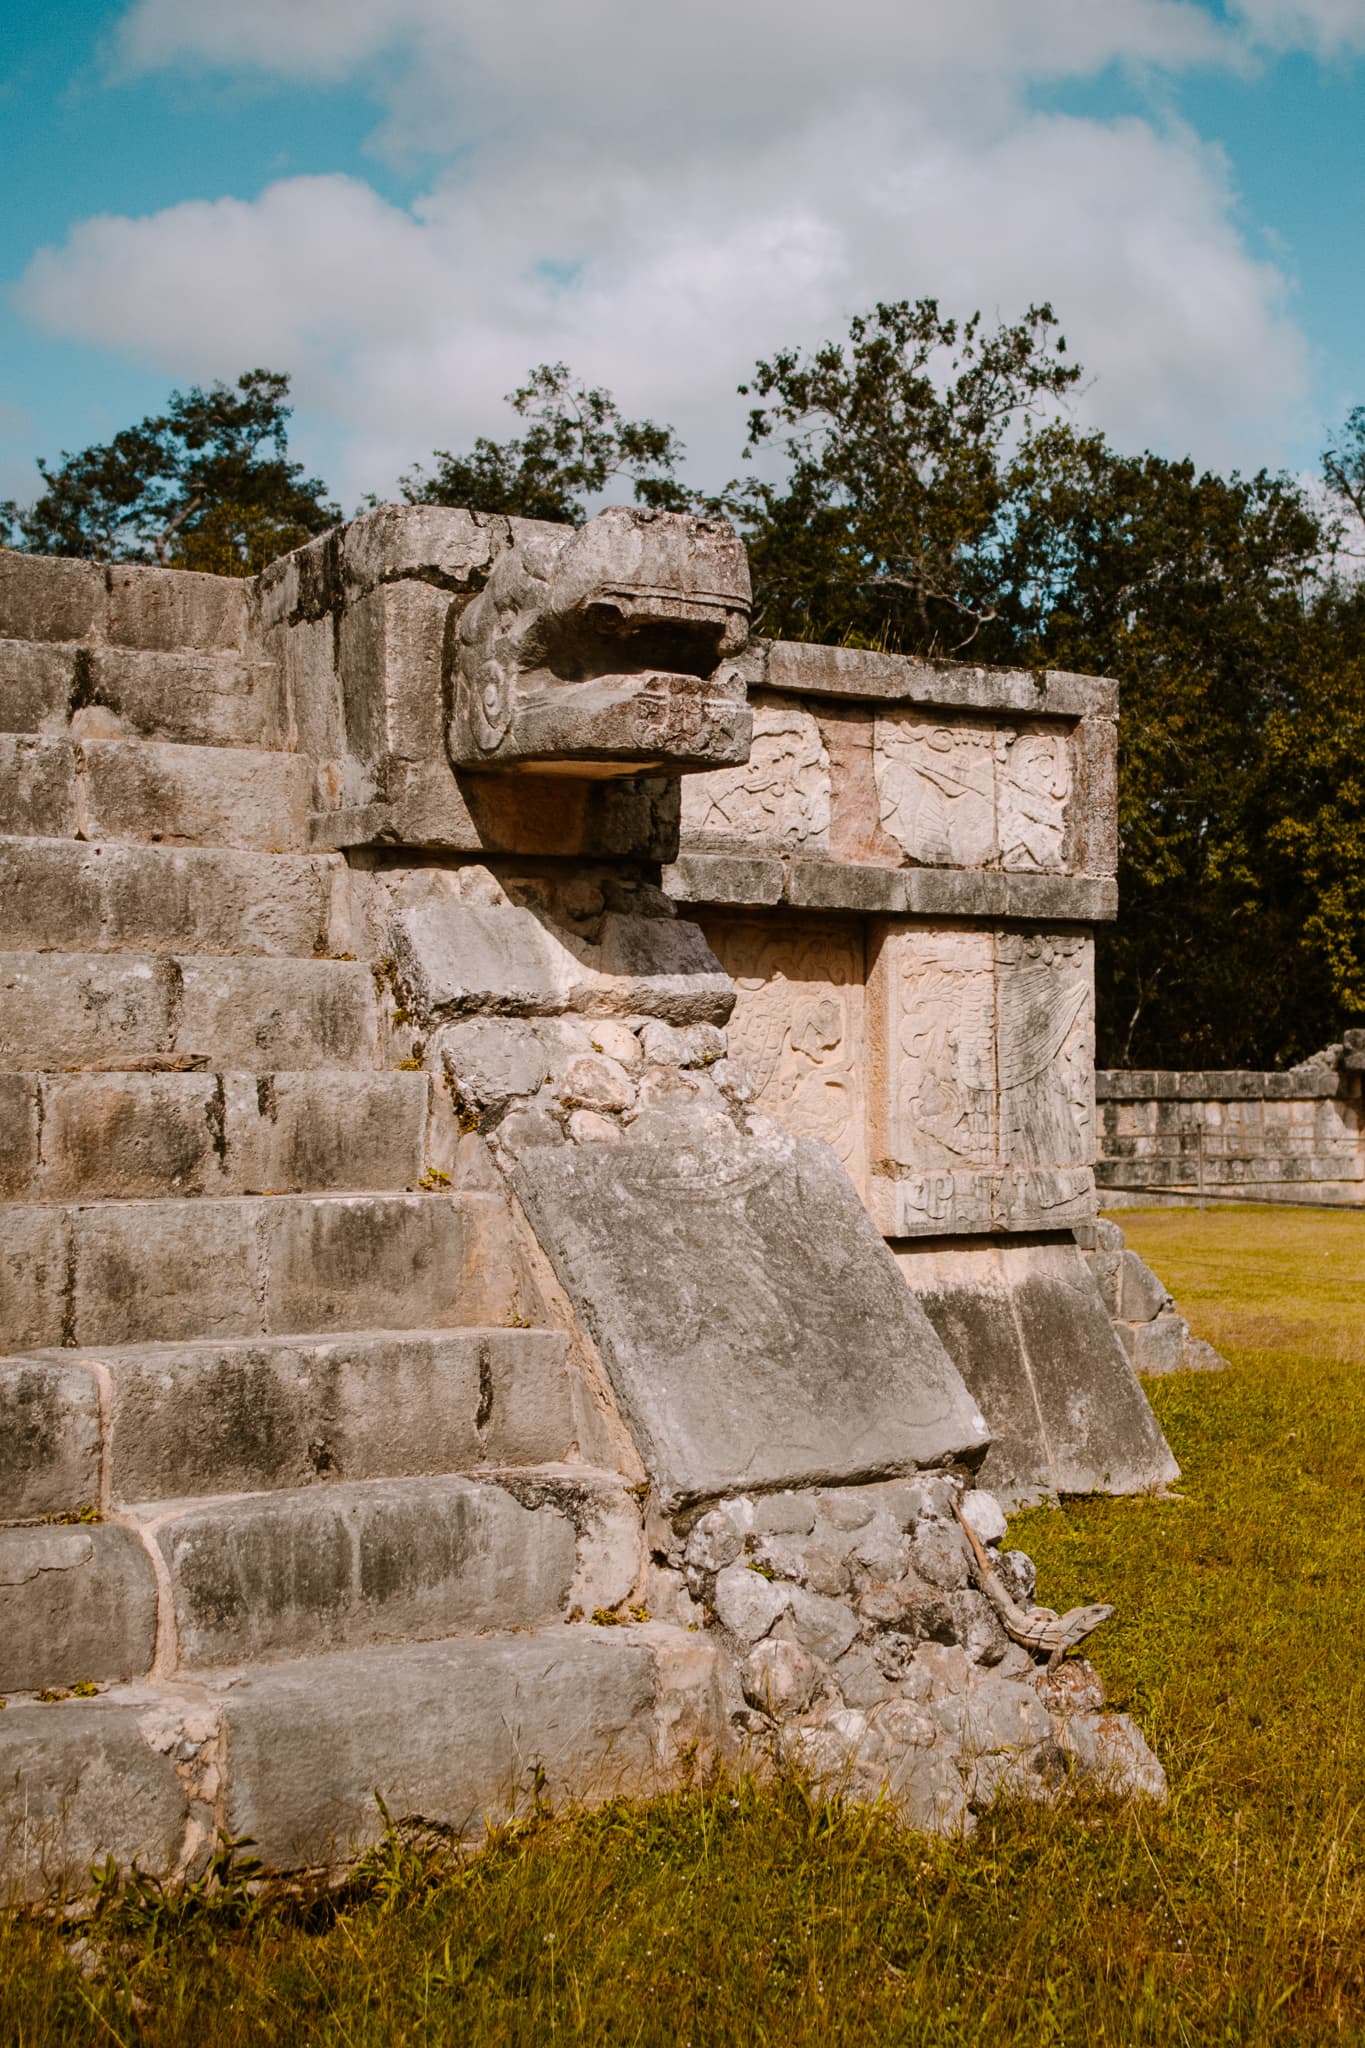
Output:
x=1292 y=1137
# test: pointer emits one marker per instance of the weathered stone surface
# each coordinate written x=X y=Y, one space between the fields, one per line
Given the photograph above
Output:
x=723 y=879
x=798 y=1026
x=189 y=1419
x=777 y=801
x=130 y=1136
x=43 y=597
x=754 y=1327
x=607 y=645
x=194 y=796
x=37 y=785
x=138 y=1272
x=174 y=608
x=389 y=662
x=289 y=1573
x=49 y=1438
x=1028 y=1332
x=79 y=1782
x=454 y=1732
x=981 y=1056
x=36 y=682
x=455 y=957
x=969 y=795
x=806 y=668
x=91 y=1010
x=200 y=700
x=196 y=900
x=75 y=1603
x=1141 y=1294
x=1156 y=1346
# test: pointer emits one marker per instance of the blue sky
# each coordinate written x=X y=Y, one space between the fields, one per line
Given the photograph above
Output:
x=407 y=205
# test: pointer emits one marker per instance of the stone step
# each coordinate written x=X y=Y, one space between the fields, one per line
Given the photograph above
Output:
x=465 y=1732
x=156 y=1272
x=114 y=897
x=140 y=1136
x=216 y=699
x=75 y=1011
x=127 y=604
x=120 y=789
x=249 y=1578
x=91 y=1428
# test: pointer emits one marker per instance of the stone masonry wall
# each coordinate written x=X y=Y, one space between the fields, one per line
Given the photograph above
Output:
x=1276 y=1137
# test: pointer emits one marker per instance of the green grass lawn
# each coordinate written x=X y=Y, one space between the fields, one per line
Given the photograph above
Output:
x=741 y=1915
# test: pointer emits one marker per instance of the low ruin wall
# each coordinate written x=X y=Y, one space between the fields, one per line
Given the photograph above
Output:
x=1278 y=1137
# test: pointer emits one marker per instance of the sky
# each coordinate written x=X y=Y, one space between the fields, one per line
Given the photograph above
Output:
x=406 y=204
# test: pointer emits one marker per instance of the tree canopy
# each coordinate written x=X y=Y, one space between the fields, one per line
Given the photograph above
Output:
x=207 y=484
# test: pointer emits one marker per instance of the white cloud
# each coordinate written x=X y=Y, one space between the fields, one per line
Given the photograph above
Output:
x=658 y=195
x=1327 y=27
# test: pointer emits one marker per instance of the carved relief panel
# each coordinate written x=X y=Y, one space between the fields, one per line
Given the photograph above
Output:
x=956 y=793
x=777 y=802
x=981 y=1080
x=798 y=1027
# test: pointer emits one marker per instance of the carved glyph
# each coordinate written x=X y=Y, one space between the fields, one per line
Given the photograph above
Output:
x=797 y=1027
x=779 y=801
x=957 y=794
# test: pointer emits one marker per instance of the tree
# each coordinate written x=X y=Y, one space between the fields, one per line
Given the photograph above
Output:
x=205 y=485
x=885 y=526
x=576 y=444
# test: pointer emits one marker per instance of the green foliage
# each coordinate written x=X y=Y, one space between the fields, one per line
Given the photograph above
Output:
x=897 y=491
x=576 y=444
x=737 y=1912
x=205 y=485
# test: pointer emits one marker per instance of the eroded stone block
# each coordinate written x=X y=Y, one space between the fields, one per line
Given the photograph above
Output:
x=755 y=1328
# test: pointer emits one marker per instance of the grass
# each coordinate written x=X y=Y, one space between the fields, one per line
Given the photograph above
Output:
x=735 y=1914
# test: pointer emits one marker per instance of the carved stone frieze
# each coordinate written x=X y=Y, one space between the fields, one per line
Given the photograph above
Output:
x=981 y=1086
x=778 y=801
x=957 y=793
x=797 y=1027
x=605 y=648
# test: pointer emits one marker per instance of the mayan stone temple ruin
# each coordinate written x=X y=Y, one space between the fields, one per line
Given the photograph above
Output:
x=548 y=1192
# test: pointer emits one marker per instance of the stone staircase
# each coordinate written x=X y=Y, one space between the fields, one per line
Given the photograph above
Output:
x=294 y=1501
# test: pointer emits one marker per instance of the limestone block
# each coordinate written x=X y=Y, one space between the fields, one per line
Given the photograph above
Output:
x=358 y=1262
x=753 y=1325
x=196 y=1418
x=1156 y=1346
x=19 y=1111
x=190 y=899
x=455 y=957
x=75 y=1603
x=452 y=1731
x=45 y=597
x=49 y=1438
x=1141 y=1294
x=36 y=684
x=723 y=878
x=389 y=659
x=777 y=801
x=79 y=1782
x=285 y=1574
x=798 y=1026
x=220 y=796
x=37 y=785
x=1027 y=1330
x=34 y=1277
x=201 y=700
x=168 y=609
x=608 y=645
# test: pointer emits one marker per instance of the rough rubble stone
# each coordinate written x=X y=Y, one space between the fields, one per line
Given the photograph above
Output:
x=748 y=1604
x=984 y=1513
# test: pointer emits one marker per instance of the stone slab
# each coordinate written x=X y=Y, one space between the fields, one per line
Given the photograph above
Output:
x=197 y=1419
x=193 y=796
x=37 y=785
x=804 y=668
x=200 y=700
x=335 y=1567
x=81 y=1781
x=454 y=1732
x=82 y=898
x=752 y=1322
x=1028 y=1331
x=74 y=1010
x=36 y=684
x=76 y=1602
x=49 y=1438
x=45 y=597
x=151 y=1272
